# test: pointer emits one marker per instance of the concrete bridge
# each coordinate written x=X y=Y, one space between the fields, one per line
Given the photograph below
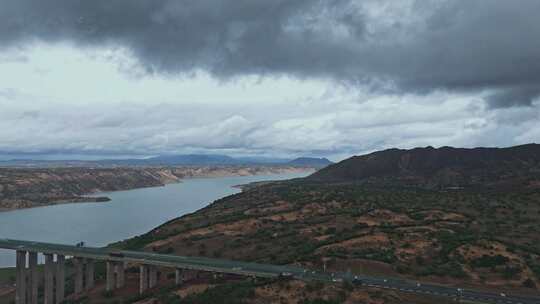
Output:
x=84 y=258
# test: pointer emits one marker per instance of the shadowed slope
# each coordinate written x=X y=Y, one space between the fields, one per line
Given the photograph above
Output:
x=441 y=167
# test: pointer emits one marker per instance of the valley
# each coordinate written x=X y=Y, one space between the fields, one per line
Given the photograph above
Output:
x=444 y=216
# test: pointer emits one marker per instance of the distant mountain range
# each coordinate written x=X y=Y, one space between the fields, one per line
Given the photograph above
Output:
x=175 y=160
x=442 y=167
x=310 y=161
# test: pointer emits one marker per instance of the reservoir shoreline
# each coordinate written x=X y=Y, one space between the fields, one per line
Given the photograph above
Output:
x=128 y=214
x=22 y=188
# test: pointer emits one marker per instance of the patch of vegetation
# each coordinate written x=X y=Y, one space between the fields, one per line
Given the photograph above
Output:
x=452 y=269
x=223 y=294
x=489 y=261
x=7 y=276
x=321 y=301
x=415 y=231
x=385 y=255
x=536 y=270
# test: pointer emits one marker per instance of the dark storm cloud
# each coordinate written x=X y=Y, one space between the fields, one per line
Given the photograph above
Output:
x=419 y=46
x=519 y=96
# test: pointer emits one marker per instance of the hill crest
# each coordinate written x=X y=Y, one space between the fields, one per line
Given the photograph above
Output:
x=438 y=167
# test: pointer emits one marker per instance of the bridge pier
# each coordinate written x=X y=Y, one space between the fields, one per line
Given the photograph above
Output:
x=28 y=278
x=90 y=269
x=143 y=278
x=178 y=276
x=48 y=296
x=33 y=280
x=110 y=284
x=54 y=277
x=147 y=277
x=120 y=275
x=152 y=280
x=79 y=264
x=20 y=293
x=60 y=277
x=116 y=275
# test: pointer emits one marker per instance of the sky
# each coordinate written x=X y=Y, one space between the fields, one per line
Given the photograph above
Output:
x=332 y=78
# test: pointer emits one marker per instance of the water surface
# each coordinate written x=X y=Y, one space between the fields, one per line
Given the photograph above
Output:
x=129 y=213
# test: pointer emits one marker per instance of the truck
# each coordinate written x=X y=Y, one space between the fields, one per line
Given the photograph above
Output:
x=116 y=254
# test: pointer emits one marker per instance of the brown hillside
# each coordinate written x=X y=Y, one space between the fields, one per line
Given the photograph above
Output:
x=442 y=167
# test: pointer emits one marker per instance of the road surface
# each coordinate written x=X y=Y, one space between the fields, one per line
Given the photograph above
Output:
x=265 y=270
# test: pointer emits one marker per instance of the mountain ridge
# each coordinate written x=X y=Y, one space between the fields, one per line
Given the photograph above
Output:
x=447 y=226
x=438 y=167
x=172 y=160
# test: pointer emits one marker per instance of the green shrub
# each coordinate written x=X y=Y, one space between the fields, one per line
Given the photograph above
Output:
x=529 y=283
x=223 y=294
x=489 y=261
x=510 y=272
x=536 y=270
x=320 y=301
x=331 y=230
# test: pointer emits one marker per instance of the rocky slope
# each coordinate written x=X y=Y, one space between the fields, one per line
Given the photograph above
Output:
x=432 y=229
x=25 y=188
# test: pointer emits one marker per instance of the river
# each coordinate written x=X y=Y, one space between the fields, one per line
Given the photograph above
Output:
x=129 y=213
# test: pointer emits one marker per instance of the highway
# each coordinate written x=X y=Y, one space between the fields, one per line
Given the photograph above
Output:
x=445 y=291
x=265 y=270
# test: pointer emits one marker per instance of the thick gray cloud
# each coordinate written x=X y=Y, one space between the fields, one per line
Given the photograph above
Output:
x=266 y=130
x=338 y=77
x=515 y=96
x=396 y=46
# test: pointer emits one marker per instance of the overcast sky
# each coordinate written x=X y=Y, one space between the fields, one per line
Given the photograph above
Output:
x=276 y=78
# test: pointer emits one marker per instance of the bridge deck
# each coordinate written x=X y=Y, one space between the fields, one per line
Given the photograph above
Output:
x=262 y=270
x=148 y=258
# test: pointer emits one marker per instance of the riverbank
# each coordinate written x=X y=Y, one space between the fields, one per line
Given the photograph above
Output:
x=11 y=206
x=131 y=213
x=22 y=188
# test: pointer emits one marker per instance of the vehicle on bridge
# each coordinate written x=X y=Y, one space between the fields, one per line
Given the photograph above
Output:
x=286 y=275
x=116 y=254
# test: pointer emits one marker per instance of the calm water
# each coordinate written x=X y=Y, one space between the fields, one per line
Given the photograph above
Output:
x=129 y=213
